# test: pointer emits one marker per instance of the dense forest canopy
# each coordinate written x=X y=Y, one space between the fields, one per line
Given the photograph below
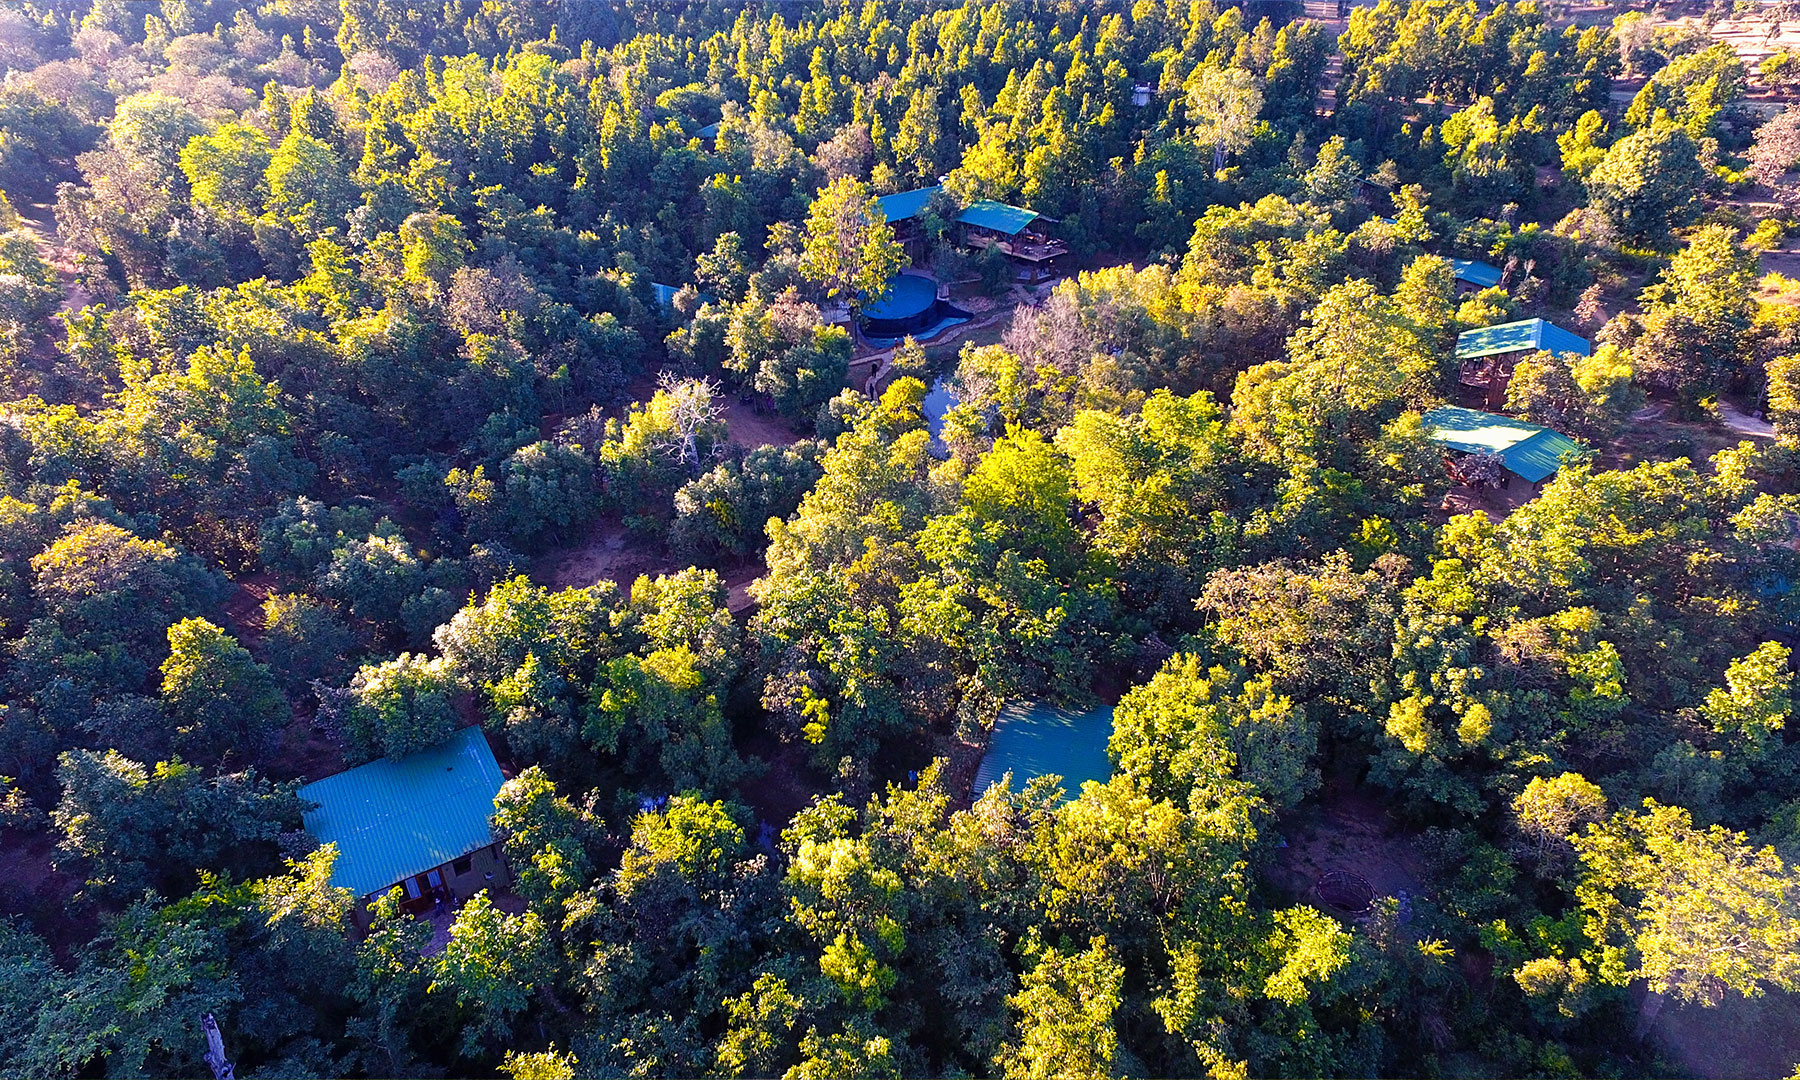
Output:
x=375 y=368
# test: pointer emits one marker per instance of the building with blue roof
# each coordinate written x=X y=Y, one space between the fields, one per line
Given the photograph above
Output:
x=420 y=822
x=1524 y=336
x=984 y=223
x=1529 y=451
x=1032 y=739
x=906 y=205
x=1488 y=355
x=665 y=295
x=1473 y=276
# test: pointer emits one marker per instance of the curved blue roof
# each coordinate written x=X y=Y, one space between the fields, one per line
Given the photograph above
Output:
x=907 y=295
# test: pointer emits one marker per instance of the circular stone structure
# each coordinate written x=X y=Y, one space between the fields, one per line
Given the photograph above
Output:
x=911 y=305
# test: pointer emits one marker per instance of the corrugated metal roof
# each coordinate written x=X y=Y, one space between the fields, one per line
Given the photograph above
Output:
x=396 y=817
x=1032 y=739
x=1529 y=450
x=1540 y=456
x=998 y=216
x=710 y=131
x=1482 y=274
x=1528 y=335
x=905 y=204
x=665 y=294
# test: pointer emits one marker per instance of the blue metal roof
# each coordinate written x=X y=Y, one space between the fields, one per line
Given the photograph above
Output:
x=710 y=131
x=998 y=216
x=905 y=204
x=1529 y=335
x=1483 y=275
x=665 y=294
x=1529 y=450
x=1031 y=739
x=393 y=818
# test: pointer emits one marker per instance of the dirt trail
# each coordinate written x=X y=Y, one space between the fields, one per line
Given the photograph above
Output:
x=39 y=219
x=748 y=429
x=1743 y=423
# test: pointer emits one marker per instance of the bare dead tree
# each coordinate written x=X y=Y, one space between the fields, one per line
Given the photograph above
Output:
x=695 y=414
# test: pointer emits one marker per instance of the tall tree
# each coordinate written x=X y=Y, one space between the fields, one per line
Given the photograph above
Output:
x=849 y=248
x=1222 y=105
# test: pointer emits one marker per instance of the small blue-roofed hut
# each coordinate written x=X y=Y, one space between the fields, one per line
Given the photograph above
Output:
x=1031 y=739
x=1473 y=275
x=420 y=822
x=1529 y=451
x=1489 y=354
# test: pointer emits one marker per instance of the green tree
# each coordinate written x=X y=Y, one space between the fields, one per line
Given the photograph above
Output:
x=226 y=170
x=1648 y=183
x=546 y=840
x=131 y=826
x=401 y=706
x=1066 y=1003
x=305 y=639
x=721 y=514
x=1589 y=397
x=1549 y=812
x=1222 y=104
x=919 y=138
x=308 y=184
x=373 y=577
x=102 y=584
x=491 y=965
x=1783 y=374
x=1693 y=912
x=1756 y=699
x=1193 y=728
x=1699 y=317
x=850 y=250
x=433 y=248
x=224 y=704
x=659 y=712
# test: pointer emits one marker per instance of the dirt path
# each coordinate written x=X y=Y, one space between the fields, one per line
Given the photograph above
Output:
x=1743 y=423
x=748 y=429
x=39 y=219
x=1785 y=263
x=607 y=554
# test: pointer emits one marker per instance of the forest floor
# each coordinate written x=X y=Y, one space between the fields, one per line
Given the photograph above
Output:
x=610 y=553
x=1658 y=438
x=1738 y=1037
x=748 y=427
x=32 y=886
x=1348 y=829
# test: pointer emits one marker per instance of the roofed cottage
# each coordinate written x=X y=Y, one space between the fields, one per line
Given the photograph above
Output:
x=1530 y=451
x=1032 y=739
x=1473 y=276
x=985 y=223
x=420 y=822
x=1489 y=354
